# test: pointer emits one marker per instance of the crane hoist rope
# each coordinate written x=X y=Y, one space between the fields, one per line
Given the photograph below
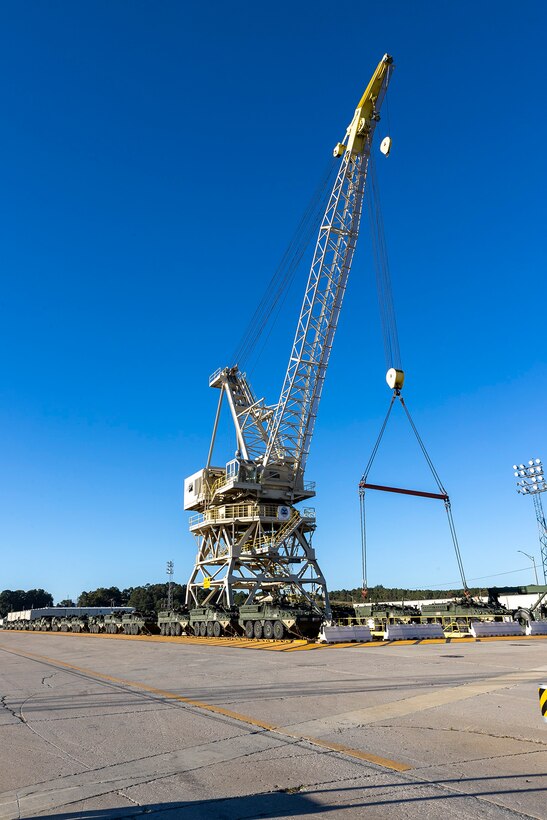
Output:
x=383 y=277
x=395 y=380
x=269 y=307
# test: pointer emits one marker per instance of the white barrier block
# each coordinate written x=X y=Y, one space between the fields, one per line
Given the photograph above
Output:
x=485 y=629
x=343 y=634
x=405 y=632
x=536 y=628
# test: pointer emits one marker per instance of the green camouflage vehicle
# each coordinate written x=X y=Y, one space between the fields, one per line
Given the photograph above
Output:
x=140 y=623
x=62 y=623
x=173 y=621
x=377 y=616
x=458 y=615
x=212 y=622
x=96 y=624
x=276 y=621
x=113 y=623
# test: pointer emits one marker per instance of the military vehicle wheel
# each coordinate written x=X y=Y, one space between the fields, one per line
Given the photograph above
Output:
x=249 y=629
x=196 y=629
x=178 y=630
x=210 y=628
x=268 y=630
x=217 y=629
x=278 y=630
x=203 y=629
x=258 y=629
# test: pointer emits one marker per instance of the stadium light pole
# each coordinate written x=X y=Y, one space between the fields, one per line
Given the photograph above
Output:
x=531 y=481
x=170 y=571
x=533 y=560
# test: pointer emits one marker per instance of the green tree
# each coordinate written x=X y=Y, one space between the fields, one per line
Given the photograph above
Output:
x=103 y=596
x=17 y=600
x=152 y=597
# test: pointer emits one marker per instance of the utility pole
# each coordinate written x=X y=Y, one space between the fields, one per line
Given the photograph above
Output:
x=170 y=571
x=533 y=560
x=531 y=481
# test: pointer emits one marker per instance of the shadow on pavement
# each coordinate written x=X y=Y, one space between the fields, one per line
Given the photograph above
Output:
x=293 y=804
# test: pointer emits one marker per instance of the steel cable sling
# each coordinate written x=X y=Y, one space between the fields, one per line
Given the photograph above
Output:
x=442 y=494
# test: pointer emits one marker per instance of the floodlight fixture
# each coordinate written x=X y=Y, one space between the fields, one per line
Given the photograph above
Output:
x=170 y=571
x=531 y=481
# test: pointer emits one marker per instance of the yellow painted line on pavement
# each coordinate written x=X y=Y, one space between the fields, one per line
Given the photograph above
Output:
x=386 y=763
x=288 y=645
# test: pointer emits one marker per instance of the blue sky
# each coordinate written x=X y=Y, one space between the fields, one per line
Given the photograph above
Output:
x=156 y=158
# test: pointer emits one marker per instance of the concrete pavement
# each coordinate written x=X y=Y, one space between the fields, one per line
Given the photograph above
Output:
x=106 y=728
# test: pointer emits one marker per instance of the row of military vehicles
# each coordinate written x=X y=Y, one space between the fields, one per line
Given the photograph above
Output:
x=272 y=622
x=276 y=621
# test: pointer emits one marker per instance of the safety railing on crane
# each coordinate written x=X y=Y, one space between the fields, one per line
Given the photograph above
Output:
x=231 y=512
x=309 y=486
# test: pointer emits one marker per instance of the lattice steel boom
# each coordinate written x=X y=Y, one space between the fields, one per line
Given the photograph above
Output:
x=250 y=536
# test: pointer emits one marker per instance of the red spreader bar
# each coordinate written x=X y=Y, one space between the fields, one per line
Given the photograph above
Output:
x=364 y=486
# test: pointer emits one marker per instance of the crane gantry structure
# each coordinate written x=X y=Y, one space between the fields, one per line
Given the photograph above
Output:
x=251 y=537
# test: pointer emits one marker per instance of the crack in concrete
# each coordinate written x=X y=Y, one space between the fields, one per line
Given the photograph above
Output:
x=478 y=760
x=462 y=731
x=121 y=793
x=151 y=710
x=19 y=716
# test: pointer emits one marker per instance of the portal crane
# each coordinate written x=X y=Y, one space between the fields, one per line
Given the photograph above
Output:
x=251 y=537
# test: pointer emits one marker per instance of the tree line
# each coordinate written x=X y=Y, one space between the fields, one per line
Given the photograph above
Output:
x=147 y=598
x=153 y=597
x=381 y=593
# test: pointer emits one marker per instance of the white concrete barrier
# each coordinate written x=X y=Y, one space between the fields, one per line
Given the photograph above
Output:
x=405 y=632
x=536 y=628
x=489 y=629
x=343 y=634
